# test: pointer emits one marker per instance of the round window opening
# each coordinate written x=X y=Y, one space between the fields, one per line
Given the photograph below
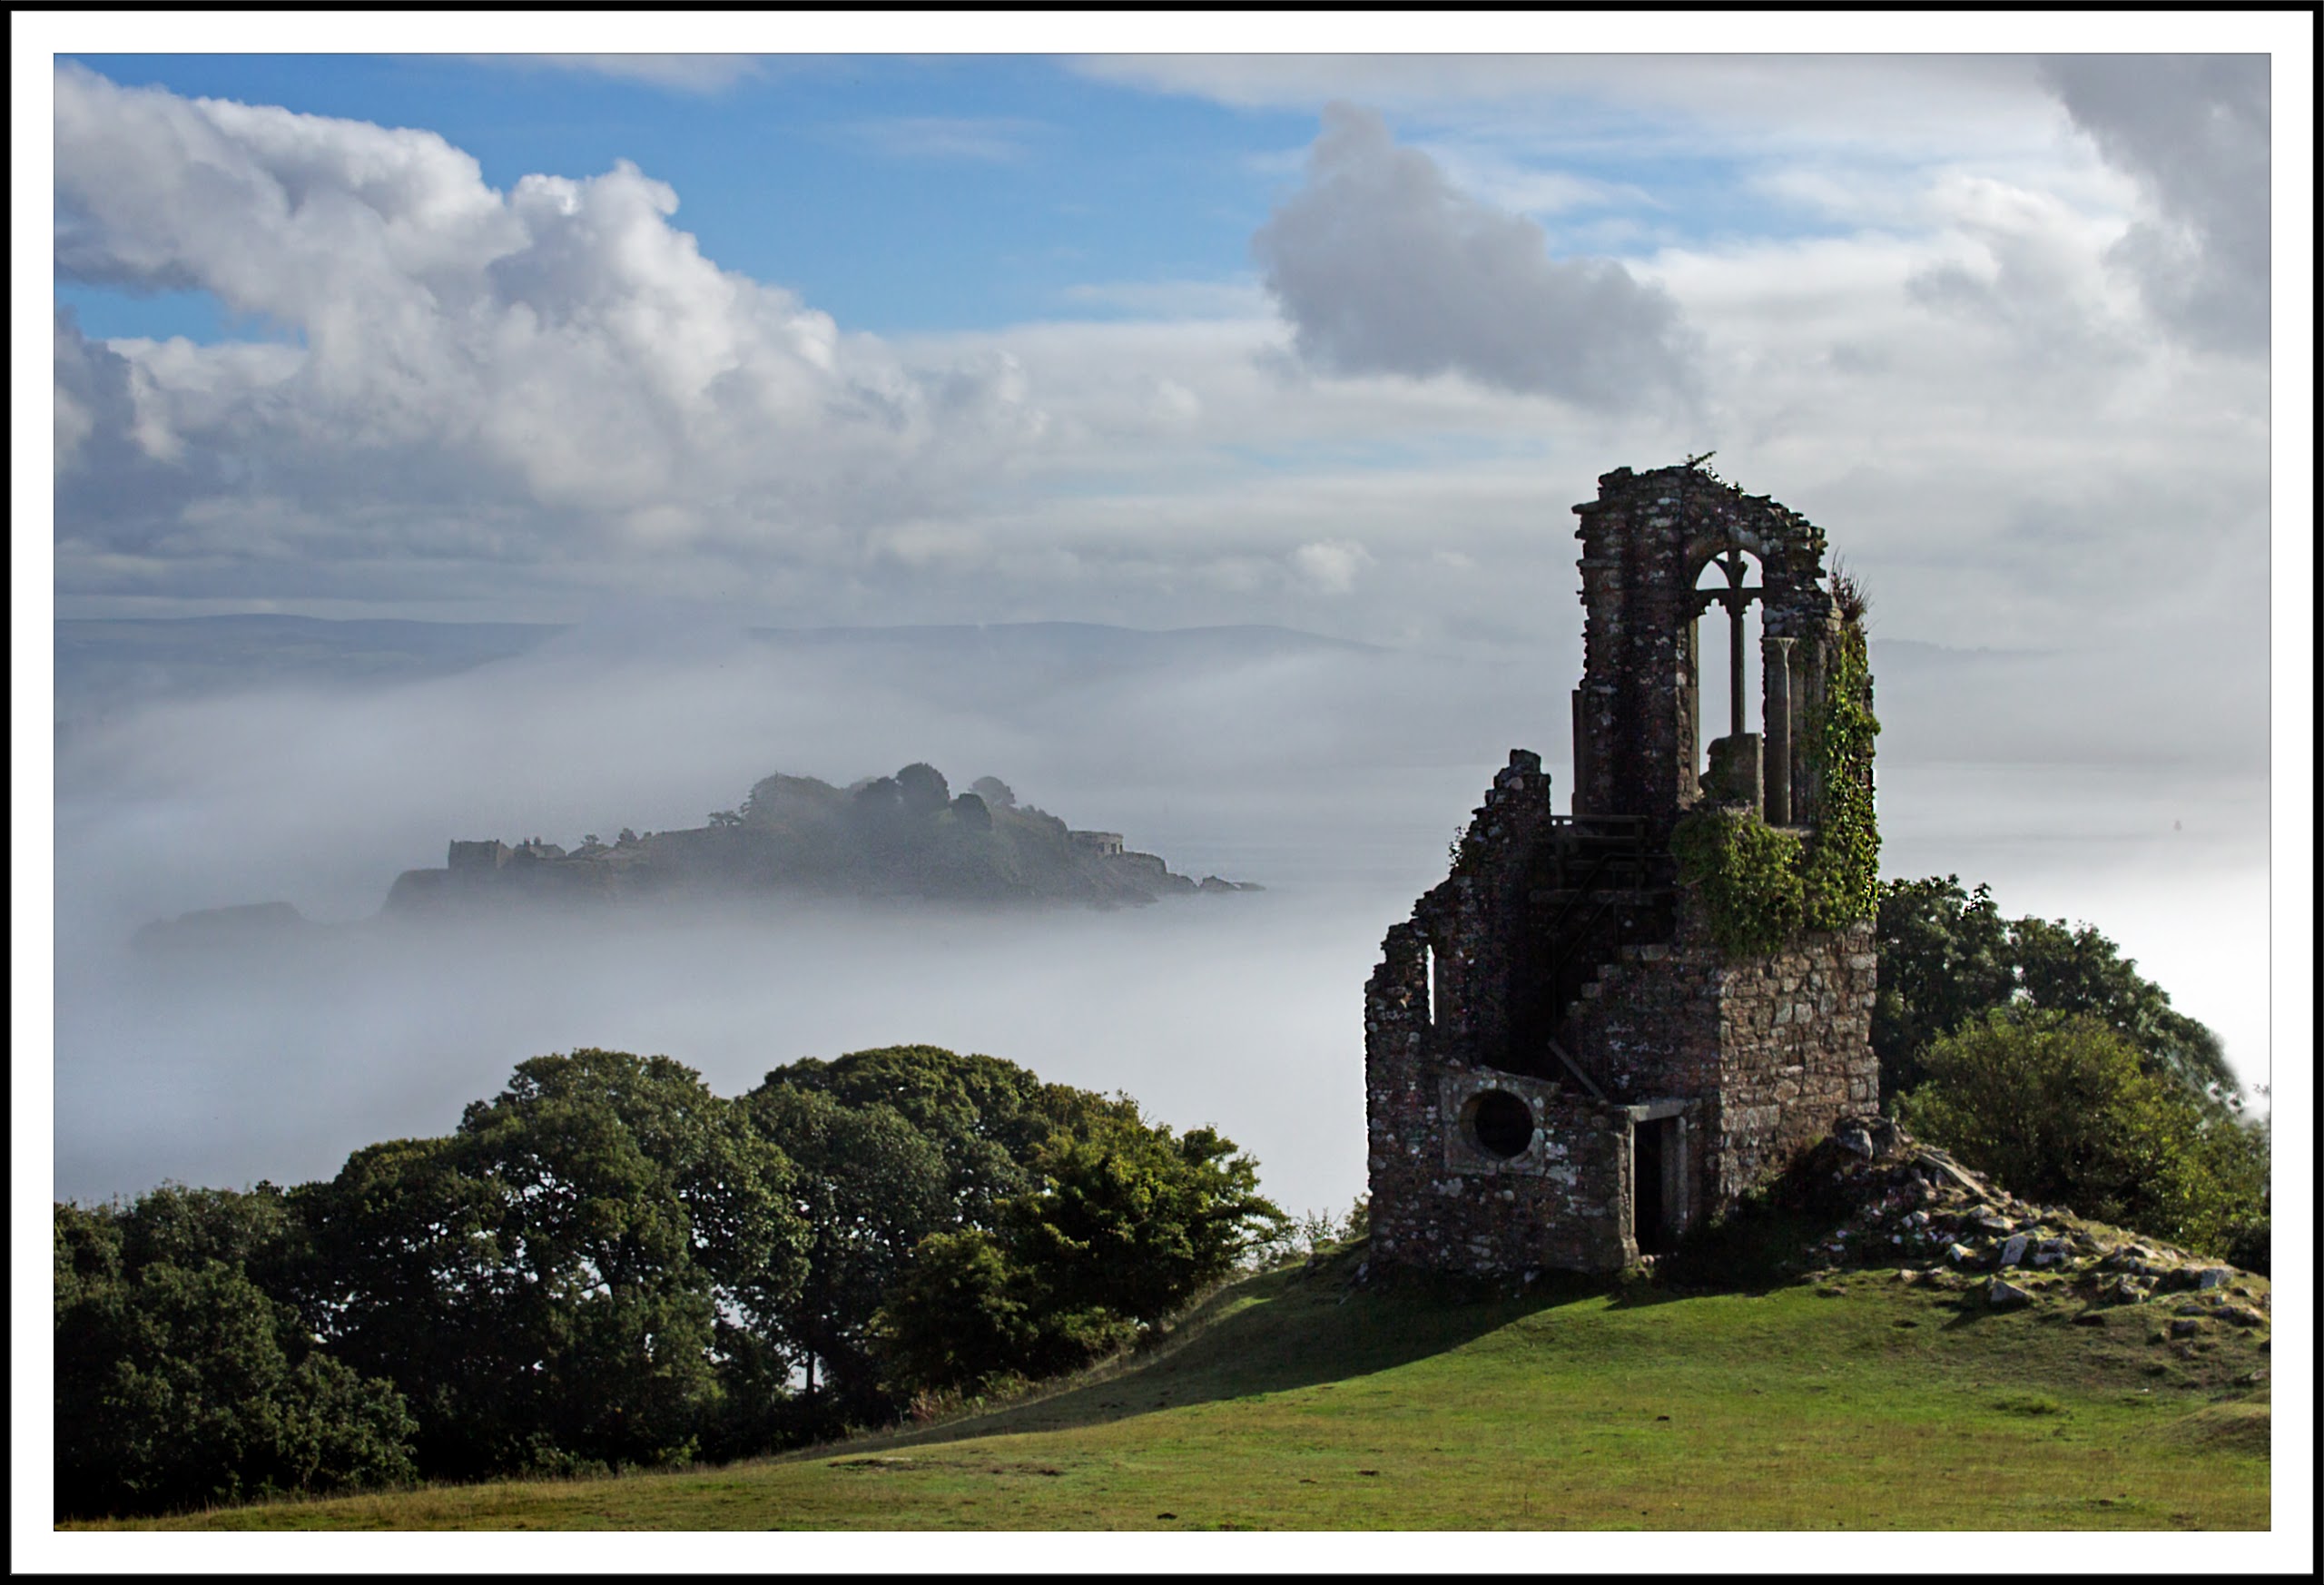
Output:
x=1500 y=1124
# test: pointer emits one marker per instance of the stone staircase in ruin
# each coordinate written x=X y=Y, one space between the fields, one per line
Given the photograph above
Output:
x=1607 y=902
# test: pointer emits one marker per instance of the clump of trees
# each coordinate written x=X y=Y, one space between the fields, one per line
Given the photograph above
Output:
x=2060 y=1107
x=1947 y=956
x=608 y=1266
x=2039 y=1054
x=182 y=1378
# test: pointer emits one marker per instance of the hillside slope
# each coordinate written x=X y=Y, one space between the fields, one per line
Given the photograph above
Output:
x=1302 y=1400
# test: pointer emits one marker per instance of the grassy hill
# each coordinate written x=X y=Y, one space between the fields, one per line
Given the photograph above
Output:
x=1296 y=1400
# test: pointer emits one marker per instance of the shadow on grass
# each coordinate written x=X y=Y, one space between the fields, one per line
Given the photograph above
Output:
x=1311 y=1326
x=1754 y=1247
x=1281 y=1331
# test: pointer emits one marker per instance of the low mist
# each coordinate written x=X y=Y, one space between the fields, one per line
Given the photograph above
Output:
x=1331 y=774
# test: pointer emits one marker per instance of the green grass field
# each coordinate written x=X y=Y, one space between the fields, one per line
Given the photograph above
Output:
x=1290 y=1402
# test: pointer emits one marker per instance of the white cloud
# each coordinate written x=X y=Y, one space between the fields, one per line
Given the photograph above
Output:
x=1383 y=266
x=2192 y=130
x=510 y=376
x=2028 y=261
x=577 y=401
x=1331 y=564
x=1893 y=100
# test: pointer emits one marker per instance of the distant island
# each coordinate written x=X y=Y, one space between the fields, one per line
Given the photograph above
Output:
x=906 y=837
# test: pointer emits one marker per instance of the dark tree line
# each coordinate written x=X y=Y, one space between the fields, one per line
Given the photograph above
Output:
x=2040 y=1054
x=607 y=1266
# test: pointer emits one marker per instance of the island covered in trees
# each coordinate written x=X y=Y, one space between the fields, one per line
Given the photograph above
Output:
x=907 y=837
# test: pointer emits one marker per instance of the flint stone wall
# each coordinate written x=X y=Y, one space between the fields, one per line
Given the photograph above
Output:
x=1439 y=1203
x=1775 y=1048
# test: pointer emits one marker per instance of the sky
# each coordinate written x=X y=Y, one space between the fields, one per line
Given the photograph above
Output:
x=1178 y=340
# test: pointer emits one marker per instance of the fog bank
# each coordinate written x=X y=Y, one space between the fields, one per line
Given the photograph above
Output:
x=1332 y=775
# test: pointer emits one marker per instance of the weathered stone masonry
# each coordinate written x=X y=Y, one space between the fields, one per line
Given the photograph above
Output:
x=1563 y=1070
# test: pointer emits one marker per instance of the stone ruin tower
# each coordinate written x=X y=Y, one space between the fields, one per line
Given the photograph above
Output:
x=1562 y=1068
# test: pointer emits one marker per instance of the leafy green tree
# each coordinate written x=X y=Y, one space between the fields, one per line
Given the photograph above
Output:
x=180 y=1382
x=1129 y=1221
x=2080 y=970
x=1134 y=1219
x=870 y=1187
x=548 y=1282
x=988 y=1117
x=959 y=1317
x=731 y=1186
x=2063 y=1110
x=409 y=1282
x=1944 y=959
x=1948 y=957
x=87 y=1253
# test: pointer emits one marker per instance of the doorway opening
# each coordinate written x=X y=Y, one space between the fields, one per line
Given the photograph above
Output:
x=1657 y=1183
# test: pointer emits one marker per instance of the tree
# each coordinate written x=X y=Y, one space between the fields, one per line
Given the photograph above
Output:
x=2063 y=1110
x=2080 y=970
x=922 y=788
x=408 y=1282
x=972 y=812
x=966 y=1318
x=548 y=1281
x=1136 y=1220
x=181 y=1382
x=870 y=1187
x=1128 y=1222
x=1948 y=957
x=988 y=1117
x=957 y=1318
x=1943 y=959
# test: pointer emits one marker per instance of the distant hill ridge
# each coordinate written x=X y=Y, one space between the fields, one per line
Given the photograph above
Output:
x=906 y=836
x=105 y=665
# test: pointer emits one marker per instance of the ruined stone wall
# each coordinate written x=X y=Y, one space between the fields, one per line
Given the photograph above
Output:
x=1645 y=540
x=1796 y=1038
x=1559 y=981
x=468 y=857
x=1440 y=1203
x=1775 y=1048
x=1649 y=1030
x=1474 y=919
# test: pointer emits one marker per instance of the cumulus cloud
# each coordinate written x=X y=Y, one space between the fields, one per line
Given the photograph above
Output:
x=2192 y=130
x=1383 y=267
x=2026 y=264
x=501 y=374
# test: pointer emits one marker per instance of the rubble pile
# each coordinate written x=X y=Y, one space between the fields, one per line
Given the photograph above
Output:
x=1939 y=1224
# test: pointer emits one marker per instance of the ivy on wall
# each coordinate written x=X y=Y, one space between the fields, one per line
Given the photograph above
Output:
x=1749 y=873
x=1843 y=860
x=1761 y=885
